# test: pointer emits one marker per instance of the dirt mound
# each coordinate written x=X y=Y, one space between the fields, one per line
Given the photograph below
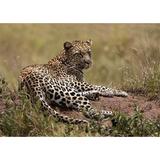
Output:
x=151 y=109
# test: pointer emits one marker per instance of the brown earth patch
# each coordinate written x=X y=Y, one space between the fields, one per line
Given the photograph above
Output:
x=150 y=109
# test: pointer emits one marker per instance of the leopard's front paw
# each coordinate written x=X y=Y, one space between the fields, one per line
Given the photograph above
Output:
x=106 y=114
x=124 y=94
x=120 y=93
x=107 y=93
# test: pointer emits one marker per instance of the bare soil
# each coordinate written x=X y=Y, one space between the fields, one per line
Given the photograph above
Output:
x=150 y=109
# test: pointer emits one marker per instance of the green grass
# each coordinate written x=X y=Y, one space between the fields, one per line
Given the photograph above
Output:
x=125 y=56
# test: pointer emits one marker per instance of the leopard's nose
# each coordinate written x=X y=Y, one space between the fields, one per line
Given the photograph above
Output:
x=88 y=61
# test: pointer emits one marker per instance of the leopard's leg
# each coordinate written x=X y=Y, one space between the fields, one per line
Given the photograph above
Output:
x=108 y=92
x=72 y=99
x=63 y=95
x=40 y=95
x=102 y=90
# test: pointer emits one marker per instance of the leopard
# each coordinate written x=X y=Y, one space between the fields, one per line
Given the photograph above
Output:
x=61 y=82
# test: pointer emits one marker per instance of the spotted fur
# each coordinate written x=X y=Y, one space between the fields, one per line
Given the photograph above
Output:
x=61 y=81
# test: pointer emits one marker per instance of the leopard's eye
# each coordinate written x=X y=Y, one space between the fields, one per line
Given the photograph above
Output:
x=78 y=53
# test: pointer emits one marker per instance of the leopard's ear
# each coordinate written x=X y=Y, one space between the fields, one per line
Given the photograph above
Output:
x=89 y=42
x=67 y=45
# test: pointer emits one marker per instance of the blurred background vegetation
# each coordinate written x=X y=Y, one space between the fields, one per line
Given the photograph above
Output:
x=120 y=51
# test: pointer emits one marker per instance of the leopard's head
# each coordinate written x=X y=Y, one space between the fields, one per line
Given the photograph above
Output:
x=78 y=54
